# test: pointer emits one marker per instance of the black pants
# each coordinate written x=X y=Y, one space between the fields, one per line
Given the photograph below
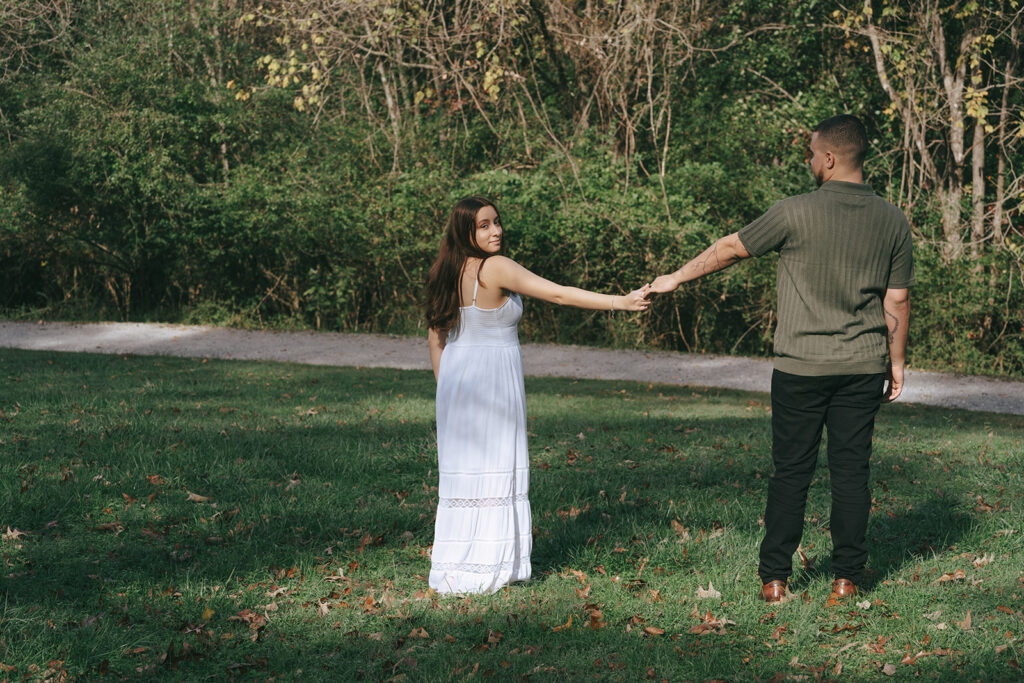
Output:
x=846 y=405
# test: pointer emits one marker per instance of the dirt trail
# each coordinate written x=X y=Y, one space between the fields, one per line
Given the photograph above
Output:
x=365 y=350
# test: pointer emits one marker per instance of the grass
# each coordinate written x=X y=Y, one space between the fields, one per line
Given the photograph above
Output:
x=180 y=519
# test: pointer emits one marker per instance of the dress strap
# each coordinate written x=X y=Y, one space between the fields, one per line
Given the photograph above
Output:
x=476 y=284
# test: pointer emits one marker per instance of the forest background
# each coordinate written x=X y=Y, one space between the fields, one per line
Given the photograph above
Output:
x=291 y=163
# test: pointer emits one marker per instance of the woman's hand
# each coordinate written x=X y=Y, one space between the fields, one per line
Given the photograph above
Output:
x=635 y=300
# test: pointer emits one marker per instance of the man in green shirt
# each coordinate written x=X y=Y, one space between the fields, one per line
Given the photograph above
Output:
x=845 y=266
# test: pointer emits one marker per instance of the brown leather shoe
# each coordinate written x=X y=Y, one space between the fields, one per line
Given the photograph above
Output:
x=774 y=591
x=843 y=588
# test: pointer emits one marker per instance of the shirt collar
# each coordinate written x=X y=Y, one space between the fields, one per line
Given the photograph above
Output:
x=846 y=188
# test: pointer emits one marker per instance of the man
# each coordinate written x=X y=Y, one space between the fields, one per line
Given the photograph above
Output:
x=845 y=263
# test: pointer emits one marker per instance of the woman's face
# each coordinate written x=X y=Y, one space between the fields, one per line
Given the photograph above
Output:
x=488 y=230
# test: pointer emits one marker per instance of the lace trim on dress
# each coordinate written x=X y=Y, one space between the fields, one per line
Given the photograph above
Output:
x=472 y=568
x=482 y=502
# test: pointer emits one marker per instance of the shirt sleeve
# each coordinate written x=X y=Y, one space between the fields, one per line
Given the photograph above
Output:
x=767 y=233
x=901 y=266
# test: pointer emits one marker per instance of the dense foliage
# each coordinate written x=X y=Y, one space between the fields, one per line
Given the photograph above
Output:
x=291 y=163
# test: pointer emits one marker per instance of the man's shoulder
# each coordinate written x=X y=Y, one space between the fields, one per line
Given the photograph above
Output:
x=892 y=212
x=793 y=202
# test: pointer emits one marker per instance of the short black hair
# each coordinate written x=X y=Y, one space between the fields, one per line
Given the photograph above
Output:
x=847 y=134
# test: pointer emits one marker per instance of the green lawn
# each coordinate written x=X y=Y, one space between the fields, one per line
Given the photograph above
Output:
x=184 y=519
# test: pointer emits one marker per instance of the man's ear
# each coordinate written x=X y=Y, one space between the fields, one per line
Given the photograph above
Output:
x=830 y=160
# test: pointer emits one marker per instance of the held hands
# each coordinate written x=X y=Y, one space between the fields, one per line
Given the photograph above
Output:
x=635 y=300
x=664 y=284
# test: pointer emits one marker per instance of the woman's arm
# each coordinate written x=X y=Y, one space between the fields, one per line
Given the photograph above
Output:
x=503 y=272
x=436 y=347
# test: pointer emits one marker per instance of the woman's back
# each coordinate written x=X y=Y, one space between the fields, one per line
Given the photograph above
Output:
x=481 y=324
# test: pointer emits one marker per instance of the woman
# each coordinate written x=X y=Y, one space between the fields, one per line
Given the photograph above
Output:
x=483 y=533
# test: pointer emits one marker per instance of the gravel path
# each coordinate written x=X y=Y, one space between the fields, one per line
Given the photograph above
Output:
x=410 y=353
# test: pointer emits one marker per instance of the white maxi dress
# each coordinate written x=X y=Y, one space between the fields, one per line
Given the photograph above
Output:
x=483 y=532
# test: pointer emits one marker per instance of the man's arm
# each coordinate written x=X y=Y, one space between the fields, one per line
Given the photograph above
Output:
x=722 y=254
x=896 y=305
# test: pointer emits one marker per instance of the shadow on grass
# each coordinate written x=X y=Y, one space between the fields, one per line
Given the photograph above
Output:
x=350 y=486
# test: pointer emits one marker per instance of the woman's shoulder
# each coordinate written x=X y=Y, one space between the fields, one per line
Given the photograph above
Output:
x=500 y=261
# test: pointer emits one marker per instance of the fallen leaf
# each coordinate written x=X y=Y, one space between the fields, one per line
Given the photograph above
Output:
x=865 y=604
x=933 y=615
x=207 y=613
x=419 y=633
x=563 y=626
x=13 y=534
x=654 y=631
x=805 y=561
x=196 y=498
x=709 y=593
x=116 y=527
x=889 y=669
x=958 y=575
x=966 y=623
x=255 y=620
x=911 y=659
x=679 y=530
x=987 y=558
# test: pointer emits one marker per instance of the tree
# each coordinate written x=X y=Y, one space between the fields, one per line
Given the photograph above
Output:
x=949 y=70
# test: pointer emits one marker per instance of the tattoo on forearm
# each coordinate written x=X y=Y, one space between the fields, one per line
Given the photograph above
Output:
x=704 y=266
x=893 y=326
x=710 y=261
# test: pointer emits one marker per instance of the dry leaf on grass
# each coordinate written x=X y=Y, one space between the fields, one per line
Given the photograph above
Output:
x=865 y=604
x=255 y=620
x=679 y=530
x=987 y=558
x=889 y=669
x=196 y=498
x=709 y=593
x=805 y=561
x=911 y=659
x=563 y=626
x=958 y=575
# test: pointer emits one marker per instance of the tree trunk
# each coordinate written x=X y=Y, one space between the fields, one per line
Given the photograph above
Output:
x=978 y=189
x=949 y=202
x=393 y=113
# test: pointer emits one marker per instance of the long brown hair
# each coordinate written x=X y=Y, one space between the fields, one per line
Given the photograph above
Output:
x=444 y=279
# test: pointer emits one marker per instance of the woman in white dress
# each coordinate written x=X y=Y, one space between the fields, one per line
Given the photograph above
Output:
x=483 y=532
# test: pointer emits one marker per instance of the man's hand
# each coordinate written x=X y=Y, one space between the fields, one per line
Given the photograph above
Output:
x=894 y=379
x=664 y=284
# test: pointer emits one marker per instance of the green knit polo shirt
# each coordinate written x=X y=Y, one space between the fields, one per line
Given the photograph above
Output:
x=840 y=248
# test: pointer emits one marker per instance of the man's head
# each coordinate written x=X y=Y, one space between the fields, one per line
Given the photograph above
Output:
x=838 y=147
